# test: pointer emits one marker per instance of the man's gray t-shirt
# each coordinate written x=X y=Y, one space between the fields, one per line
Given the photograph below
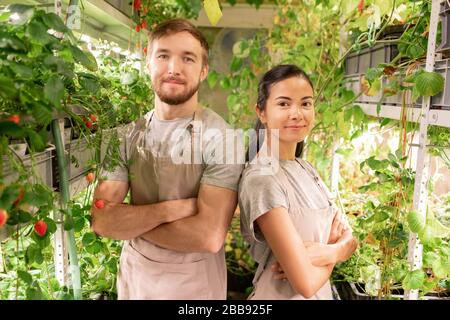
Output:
x=164 y=134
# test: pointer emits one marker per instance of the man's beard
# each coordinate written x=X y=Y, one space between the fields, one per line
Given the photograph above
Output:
x=178 y=98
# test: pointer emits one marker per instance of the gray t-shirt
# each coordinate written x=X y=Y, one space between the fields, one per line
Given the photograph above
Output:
x=260 y=192
x=163 y=135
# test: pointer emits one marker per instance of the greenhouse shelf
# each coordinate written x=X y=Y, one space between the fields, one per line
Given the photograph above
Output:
x=444 y=12
x=99 y=19
x=357 y=63
x=440 y=101
x=77 y=185
x=436 y=117
x=41 y=161
x=355 y=291
x=79 y=150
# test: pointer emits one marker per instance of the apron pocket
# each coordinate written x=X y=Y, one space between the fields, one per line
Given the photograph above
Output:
x=149 y=279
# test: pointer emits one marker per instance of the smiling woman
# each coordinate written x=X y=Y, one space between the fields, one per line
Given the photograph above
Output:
x=287 y=215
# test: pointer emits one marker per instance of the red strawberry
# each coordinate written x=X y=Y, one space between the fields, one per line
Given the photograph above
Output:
x=19 y=197
x=137 y=5
x=361 y=6
x=99 y=204
x=14 y=118
x=88 y=124
x=93 y=117
x=138 y=28
x=144 y=24
x=145 y=50
x=3 y=217
x=40 y=227
x=90 y=177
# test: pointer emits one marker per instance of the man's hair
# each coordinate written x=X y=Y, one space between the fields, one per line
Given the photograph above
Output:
x=179 y=25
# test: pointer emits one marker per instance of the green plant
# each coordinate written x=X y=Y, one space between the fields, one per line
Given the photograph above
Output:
x=43 y=75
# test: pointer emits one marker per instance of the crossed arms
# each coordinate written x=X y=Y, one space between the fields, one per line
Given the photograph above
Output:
x=187 y=225
x=307 y=265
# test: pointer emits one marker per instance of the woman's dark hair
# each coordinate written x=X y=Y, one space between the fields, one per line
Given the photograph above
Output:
x=276 y=74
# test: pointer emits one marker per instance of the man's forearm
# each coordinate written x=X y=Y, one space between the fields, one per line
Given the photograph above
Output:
x=124 y=221
x=191 y=234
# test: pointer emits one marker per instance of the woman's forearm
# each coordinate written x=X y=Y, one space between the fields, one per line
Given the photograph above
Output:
x=346 y=245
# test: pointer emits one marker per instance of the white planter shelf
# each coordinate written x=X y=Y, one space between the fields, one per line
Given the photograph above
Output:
x=435 y=116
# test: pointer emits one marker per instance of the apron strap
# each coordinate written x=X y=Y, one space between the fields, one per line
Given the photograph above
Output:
x=287 y=186
x=308 y=168
x=196 y=136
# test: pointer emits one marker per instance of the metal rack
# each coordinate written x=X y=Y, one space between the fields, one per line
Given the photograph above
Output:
x=425 y=116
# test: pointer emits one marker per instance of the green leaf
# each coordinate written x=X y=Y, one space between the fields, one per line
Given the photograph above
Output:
x=30 y=253
x=399 y=274
x=328 y=117
x=51 y=225
x=84 y=58
x=39 y=196
x=241 y=49
x=212 y=79
x=426 y=235
x=381 y=216
x=25 y=276
x=358 y=114
x=41 y=113
x=236 y=64
x=112 y=265
x=38 y=32
x=127 y=78
x=38 y=256
x=8 y=196
x=34 y=255
x=437 y=228
x=90 y=85
x=429 y=83
x=441 y=268
x=11 y=129
x=429 y=257
x=416 y=221
x=34 y=293
x=21 y=70
x=415 y=51
x=78 y=223
x=54 y=22
x=88 y=238
x=54 y=90
x=10 y=41
x=94 y=247
x=231 y=100
x=254 y=55
x=36 y=143
x=68 y=223
x=24 y=216
x=414 y=280
x=4 y=16
x=373 y=74
x=7 y=88
x=225 y=83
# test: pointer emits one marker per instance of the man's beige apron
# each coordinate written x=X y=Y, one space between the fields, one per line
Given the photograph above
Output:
x=312 y=225
x=148 y=271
